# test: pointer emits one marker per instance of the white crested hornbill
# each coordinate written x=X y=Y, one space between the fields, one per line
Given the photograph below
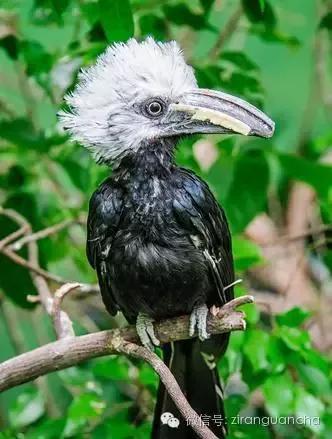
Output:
x=157 y=237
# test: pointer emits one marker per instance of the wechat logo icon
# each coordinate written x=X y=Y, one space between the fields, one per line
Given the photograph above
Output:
x=170 y=420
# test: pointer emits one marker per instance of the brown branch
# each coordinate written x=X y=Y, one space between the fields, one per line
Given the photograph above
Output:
x=226 y=33
x=322 y=49
x=32 y=267
x=298 y=236
x=62 y=324
x=41 y=234
x=10 y=238
x=30 y=239
x=70 y=351
x=84 y=288
x=173 y=388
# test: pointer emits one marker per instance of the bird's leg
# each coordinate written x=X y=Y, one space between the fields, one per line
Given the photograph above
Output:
x=198 y=321
x=145 y=331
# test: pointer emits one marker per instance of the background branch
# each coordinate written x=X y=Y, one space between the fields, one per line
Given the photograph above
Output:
x=227 y=31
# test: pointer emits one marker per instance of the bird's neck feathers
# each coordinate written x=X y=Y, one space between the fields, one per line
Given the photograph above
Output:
x=153 y=159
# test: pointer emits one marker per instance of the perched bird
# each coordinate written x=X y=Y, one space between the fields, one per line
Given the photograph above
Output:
x=157 y=237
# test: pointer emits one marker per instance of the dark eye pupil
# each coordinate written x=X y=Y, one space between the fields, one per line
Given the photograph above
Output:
x=155 y=108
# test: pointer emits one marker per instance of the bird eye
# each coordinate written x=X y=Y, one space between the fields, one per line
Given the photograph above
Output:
x=154 y=108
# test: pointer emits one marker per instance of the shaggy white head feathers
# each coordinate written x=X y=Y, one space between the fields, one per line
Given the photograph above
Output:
x=106 y=106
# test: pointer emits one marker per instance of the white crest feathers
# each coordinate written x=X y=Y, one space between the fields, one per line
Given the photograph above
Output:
x=102 y=115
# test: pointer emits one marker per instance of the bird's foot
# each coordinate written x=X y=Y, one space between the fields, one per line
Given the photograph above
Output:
x=145 y=331
x=198 y=321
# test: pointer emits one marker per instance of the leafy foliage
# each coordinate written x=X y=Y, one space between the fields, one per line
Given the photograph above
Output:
x=272 y=369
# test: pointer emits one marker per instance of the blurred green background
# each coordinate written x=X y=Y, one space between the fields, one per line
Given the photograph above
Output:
x=277 y=195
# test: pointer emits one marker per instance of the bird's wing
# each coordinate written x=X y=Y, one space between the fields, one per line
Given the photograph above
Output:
x=198 y=212
x=103 y=220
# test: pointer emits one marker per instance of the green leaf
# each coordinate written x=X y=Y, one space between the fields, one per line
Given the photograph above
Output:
x=76 y=376
x=116 y=428
x=326 y=21
x=293 y=318
x=233 y=352
x=246 y=253
x=239 y=59
x=318 y=360
x=315 y=380
x=60 y=6
x=206 y=4
x=114 y=368
x=317 y=175
x=37 y=59
x=276 y=354
x=181 y=15
x=296 y=339
x=49 y=429
x=255 y=349
x=21 y=133
x=220 y=175
x=28 y=408
x=117 y=19
x=278 y=391
x=277 y=36
x=242 y=84
x=209 y=76
x=147 y=376
x=247 y=195
x=153 y=25
x=308 y=407
x=10 y=44
x=262 y=4
x=258 y=11
x=234 y=403
x=84 y=409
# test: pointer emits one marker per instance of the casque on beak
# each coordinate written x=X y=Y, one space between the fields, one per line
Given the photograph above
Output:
x=209 y=111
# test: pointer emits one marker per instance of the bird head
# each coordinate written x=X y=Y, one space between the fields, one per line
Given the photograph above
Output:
x=140 y=92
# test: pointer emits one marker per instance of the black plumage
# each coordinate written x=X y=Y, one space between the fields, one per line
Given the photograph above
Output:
x=156 y=236
x=160 y=244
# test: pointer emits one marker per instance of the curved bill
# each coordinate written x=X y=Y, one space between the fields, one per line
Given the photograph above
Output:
x=209 y=111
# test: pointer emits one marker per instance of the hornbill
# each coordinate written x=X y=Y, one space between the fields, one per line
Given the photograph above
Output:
x=157 y=238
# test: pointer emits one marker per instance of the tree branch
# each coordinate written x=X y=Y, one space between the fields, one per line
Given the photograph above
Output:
x=32 y=264
x=41 y=234
x=67 y=352
x=12 y=236
x=170 y=383
x=62 y=324
x=227 y=31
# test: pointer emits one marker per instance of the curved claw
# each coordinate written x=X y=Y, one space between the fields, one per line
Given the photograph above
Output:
x=198 y=321
x=145 y=331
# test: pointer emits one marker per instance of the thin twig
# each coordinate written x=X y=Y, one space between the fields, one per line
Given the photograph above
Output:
x=30 y=239
x=13 y=236
x=38 y=275
x=310 y=232
x=32 y=267
x=227 y=31
x=41 y=234
x=62 y=324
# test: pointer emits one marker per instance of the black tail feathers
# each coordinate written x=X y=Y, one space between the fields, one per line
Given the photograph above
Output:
x=193 y=365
